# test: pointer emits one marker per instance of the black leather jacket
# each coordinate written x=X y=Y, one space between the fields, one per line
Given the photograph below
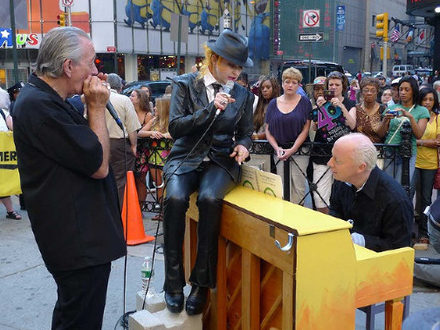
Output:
x=190 y=116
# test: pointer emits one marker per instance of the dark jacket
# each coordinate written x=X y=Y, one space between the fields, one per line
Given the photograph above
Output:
x=75 y=218
x=190 y=116
x=381 y=211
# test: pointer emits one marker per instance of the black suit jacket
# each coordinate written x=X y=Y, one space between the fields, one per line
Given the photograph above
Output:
x=190 y=116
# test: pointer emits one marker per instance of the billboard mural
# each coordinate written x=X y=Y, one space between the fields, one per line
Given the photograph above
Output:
x=250 y=18
x=143 y=26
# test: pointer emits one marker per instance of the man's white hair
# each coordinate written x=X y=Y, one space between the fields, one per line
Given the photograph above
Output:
x=364 y=150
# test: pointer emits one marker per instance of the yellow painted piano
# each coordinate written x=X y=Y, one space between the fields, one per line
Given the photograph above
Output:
x=283 y=266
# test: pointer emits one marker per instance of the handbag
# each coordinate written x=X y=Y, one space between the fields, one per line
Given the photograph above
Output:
x=437 y=174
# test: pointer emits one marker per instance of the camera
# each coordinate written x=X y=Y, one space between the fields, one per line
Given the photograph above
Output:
x=328 y=95
x=395 y=113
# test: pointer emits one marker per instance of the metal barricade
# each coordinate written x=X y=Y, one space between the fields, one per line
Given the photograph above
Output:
x=387 y=154
x=154 y=154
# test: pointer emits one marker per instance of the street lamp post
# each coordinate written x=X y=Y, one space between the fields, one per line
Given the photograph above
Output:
x=14 y=39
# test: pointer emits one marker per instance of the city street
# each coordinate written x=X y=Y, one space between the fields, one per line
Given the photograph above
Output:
x=28 y=292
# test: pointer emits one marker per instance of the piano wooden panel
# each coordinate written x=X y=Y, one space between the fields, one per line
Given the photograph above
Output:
x=317 y=284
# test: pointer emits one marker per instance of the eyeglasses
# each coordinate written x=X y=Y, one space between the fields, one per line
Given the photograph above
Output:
x=369 y=90
x=334 y=74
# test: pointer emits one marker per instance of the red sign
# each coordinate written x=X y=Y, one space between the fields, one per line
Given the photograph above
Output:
x=280 y=52
x=111 y=49
x=67 y=3
x=310 y=18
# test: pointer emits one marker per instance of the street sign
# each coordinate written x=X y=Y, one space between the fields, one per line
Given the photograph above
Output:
x=340 y=18
x=311 y=37
x=67 y=3
x=310 y=18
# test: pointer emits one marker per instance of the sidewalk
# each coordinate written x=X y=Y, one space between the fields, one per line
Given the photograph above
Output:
x=28 y=292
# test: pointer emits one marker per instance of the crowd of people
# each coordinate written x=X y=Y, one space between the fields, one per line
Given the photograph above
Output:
x=196 y=137
x=287 y=117
x=336 y=108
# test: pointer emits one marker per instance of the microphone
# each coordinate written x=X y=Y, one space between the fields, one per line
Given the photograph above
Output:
x=226 y=89
x=114 y=114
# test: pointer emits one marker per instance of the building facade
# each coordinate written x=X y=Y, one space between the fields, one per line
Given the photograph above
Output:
x=139 y=38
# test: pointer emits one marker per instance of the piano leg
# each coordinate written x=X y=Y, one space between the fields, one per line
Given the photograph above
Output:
x=393 y=314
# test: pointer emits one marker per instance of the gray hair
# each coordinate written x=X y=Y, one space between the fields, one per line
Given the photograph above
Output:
x=58 y=45
x=436 y=84
x=4 y=99
x=114 y=81
x=364 y=151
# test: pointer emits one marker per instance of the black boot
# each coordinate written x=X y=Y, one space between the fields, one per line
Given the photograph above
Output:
x=196 y=300
x=174 y=301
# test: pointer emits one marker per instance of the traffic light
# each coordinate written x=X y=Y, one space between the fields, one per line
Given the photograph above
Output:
x=61 y=19
x=388 y=53
x=382 y=26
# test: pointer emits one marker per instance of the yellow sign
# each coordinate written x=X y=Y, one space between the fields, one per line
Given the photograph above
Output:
x=9 y=177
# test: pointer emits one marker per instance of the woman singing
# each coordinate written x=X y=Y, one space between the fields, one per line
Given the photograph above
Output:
x=221 y=127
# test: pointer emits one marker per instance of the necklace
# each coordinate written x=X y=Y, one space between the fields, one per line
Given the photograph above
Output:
x=368 y=111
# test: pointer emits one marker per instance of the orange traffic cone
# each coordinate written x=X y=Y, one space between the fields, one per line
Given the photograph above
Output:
x=134 y=233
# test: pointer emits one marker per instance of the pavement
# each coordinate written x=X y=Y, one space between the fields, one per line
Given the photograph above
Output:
x=28 y=292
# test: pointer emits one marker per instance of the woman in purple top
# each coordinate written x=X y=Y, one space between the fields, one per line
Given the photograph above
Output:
x=287 y=121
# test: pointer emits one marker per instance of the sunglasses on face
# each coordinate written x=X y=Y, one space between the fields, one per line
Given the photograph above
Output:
x=334 y=74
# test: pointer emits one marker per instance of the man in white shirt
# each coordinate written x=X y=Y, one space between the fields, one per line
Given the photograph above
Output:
x=122 y=144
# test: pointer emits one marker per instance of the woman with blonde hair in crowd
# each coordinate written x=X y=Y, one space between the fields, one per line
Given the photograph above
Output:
x=211 y=125
x=160 y=148
x=141 y=104
x=288 y=122
x=354 y=90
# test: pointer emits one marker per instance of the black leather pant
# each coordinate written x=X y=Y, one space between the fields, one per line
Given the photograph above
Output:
x=213 y=183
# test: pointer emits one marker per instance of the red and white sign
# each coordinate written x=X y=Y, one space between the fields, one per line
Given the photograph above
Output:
x=111 y=49
x=67 y=3
x=310 y=18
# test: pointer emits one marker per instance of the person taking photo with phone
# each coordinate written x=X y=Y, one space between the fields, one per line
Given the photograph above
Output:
x=368 y=113
x=331 y=120
x=395 y=116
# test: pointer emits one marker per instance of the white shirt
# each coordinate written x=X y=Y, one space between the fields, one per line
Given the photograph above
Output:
x=209 y=79
x=3 y=126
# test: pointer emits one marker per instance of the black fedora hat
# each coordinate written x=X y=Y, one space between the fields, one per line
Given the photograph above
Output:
x=232 y=47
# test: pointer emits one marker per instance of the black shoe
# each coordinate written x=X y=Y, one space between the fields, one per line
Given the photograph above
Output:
x=195 y=303
x=174 y=301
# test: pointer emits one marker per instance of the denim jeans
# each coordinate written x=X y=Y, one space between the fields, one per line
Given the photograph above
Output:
x=434 y=236
x=422 y=183
x=396 y=170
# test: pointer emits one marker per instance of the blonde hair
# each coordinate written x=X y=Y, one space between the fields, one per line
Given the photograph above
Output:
x=292 y=73
x=163 y=113
x=208 y=61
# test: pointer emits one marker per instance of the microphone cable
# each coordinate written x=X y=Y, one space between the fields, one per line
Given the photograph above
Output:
x=165 y=183
x=123 y=320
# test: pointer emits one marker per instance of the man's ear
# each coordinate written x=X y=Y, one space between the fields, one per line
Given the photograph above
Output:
x=67 y=67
